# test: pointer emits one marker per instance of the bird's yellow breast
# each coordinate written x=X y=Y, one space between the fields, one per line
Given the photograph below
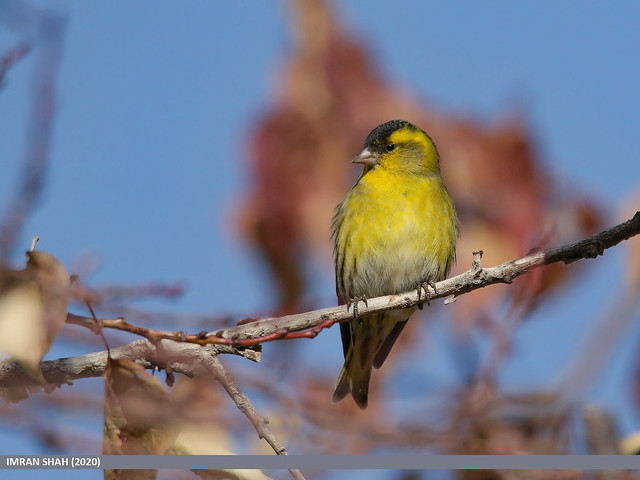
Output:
x=393 y=231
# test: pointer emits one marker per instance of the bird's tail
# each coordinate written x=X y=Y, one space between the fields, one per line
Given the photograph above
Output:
x=354 y=378
x=366 y=343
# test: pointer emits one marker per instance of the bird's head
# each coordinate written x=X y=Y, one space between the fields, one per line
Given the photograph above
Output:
x=399 y=147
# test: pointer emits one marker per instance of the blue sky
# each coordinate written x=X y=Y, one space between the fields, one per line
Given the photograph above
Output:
x=156 y=100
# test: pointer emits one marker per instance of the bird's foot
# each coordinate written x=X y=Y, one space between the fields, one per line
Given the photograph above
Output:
x=353 y=302
x=423 y=286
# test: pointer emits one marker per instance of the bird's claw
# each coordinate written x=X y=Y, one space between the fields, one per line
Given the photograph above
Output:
x=354 y=302
x=422 y=286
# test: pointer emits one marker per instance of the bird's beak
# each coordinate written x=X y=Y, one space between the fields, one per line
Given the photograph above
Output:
x=366 y=157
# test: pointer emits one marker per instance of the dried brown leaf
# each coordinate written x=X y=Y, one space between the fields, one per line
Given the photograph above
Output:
x=33 y=308
x=138 y=416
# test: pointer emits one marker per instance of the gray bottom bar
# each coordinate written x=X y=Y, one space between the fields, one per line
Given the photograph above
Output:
x=324 y=462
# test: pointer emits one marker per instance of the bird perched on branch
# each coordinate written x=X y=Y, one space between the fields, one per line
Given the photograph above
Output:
x=395 y=230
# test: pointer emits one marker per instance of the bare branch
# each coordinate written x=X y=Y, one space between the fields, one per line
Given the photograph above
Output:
x=217 y=370
x=180 y=357
x=193 y=354
x=473 y=279
x=158 y=351
x=250 y=333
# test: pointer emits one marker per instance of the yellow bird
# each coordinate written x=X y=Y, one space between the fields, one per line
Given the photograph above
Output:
x=394 y=231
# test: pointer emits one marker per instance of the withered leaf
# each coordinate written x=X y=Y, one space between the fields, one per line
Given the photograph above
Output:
x=138 y=416
x=33 y=308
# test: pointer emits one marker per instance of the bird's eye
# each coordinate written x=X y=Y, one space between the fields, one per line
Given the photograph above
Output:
x=390 y=147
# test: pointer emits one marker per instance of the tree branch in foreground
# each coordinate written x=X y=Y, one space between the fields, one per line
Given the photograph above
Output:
x=217 y=370
x=250 y=333
x=237 y=339
x=309 y=323
x=173 y=356
x=186 y=358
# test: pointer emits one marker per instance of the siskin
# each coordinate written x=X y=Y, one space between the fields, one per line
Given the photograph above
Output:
x=395 y=230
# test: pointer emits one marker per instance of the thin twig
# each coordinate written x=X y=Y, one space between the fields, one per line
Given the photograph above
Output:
x=216 y=368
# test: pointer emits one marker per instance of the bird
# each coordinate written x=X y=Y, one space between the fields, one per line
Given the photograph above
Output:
x=395 y=230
